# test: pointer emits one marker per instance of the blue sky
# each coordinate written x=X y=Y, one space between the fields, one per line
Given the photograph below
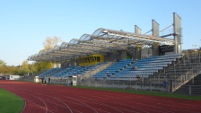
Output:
x=25 y=24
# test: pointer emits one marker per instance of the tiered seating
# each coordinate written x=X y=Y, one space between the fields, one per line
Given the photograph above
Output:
x=182 y=67
x=70 y=71
x=119 y=70
x=48 y=72
x=113 y=69
x=75 y=70
x=148 y=66
x=145 y=67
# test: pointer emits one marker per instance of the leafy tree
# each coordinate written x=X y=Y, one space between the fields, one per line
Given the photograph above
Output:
x=48 y=44
x=32 y=68
x=3 y=67
x=41 y=66
x=2 y=63
x=23 y=71
x=25 y=64
x=51 y=42
x=24 y=68
x=27 y=68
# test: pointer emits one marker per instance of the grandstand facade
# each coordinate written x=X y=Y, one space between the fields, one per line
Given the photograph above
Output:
x=111 y=58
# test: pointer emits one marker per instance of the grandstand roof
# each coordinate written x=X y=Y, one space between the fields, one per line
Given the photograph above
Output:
x=101 y=41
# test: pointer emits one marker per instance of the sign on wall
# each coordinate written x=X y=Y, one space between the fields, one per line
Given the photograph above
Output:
x=165 y=48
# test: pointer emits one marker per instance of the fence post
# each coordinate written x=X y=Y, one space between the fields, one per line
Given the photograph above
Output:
x=189 y=89
x=170 y=86
x=123 y=85
x=150 y=87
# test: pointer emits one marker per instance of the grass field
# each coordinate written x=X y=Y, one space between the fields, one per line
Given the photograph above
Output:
x=161 y=94
x=10 y=103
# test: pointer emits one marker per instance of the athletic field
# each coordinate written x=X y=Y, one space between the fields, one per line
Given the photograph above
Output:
x=62 y=99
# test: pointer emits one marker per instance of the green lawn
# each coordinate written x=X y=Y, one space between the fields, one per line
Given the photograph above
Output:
x=10 y=103
x=161 y=94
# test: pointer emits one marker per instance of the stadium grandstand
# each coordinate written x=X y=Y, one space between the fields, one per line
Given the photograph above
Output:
x=152 y=61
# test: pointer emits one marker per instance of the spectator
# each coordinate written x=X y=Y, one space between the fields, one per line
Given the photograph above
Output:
x=107 y=74
x=149 y=53
x=137 y=76
x=45 y=80
x=42 y=80
x=49 y=80
x=134 y=68
x=71 y=83
x=164 y=84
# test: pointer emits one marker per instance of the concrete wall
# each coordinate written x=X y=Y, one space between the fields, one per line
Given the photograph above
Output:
x=138 y=52
x=146 y=52
x=123 y=54
x=155 y=49
x=14 y=77
x=112 y=56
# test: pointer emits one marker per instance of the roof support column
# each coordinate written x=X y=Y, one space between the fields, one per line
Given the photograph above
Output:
x=137 y=30
x=155 y=28
x=155 y=32
x=138 y=49
x=155 y=49
x=177 y=34
x=123 y=54
x=138 y=53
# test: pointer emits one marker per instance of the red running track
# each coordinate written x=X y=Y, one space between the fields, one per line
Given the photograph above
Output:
x=62 y=99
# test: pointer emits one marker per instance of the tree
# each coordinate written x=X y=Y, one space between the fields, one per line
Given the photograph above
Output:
x=25 y=64
x=51 y=42
x=2 y=63
x=23 y=71
x=3 y=67
x=32 y=68
x=24 y=68
x=41 y=66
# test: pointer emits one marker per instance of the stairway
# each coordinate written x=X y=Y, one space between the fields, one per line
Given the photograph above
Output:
x=193 y=87
x=180 y=72
x=98 y=69
x=186 y=77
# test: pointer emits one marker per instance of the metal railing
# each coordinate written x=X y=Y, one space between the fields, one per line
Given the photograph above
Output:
x=190 y=90
x=184 y=78
x=167 y=68
x=90 y=73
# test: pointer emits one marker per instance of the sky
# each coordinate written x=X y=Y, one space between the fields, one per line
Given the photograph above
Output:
x=25 y=24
